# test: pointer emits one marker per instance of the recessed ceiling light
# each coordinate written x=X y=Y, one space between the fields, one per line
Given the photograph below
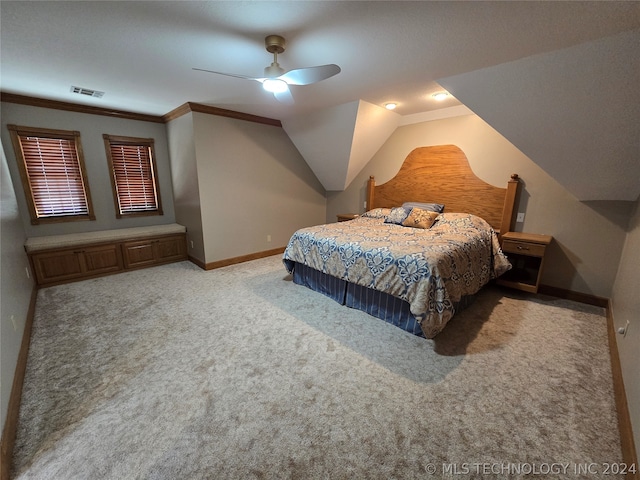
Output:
x=390 y=106
x=440 y=96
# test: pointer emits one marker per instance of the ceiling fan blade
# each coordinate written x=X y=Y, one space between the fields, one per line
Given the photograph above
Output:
x=284 y=97
x=306 y=76
x=230 y=75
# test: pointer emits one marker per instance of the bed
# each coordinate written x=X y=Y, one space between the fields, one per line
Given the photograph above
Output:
x=405 y=261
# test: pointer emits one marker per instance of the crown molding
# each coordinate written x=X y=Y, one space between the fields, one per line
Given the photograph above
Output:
x=75 y=107
x=172 y=115
x=221 y=112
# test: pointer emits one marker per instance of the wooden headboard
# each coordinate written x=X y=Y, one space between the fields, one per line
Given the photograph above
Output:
x=441 y=174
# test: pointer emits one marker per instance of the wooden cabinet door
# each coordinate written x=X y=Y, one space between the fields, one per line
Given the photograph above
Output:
x=57 y=266
x=138 y=254
x=170 y=249
x=102 y=259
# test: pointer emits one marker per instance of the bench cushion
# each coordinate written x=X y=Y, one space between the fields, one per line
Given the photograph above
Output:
x=35 y=244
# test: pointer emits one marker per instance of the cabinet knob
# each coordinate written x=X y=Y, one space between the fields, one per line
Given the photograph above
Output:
x=520 y=247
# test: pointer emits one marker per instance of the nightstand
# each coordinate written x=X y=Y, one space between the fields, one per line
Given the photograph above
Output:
x=526 y=253
x=343 y=217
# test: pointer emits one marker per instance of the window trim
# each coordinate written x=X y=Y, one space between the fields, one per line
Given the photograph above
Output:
x=74 y=136
x=134 y=141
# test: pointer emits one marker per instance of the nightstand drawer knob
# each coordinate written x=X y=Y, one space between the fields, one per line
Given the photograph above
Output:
x=520 y=247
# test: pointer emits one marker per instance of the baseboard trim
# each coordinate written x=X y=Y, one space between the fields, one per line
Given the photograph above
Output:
x=243 y=258
x=13 y=410
x=629 y=455
x=198 y=262
x=575 y=296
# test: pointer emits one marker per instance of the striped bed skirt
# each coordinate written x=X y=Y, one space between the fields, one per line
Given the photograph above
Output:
x=377 y=304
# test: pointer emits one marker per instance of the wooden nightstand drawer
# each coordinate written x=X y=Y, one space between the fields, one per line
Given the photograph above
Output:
x=523 y=247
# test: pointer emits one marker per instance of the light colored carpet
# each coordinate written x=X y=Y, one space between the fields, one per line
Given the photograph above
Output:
x=177 y=373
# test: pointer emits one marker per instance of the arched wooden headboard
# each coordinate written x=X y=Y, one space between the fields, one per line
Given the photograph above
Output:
x=441 y=174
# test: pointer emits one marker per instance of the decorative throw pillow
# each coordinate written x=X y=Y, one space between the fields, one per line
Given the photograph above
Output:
x=434 y=207
x=397 y=215
x=419 y=218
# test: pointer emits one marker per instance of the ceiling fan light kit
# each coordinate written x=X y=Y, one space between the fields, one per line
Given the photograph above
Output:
x=276 y=80
x=273 y=71
x=275 y=85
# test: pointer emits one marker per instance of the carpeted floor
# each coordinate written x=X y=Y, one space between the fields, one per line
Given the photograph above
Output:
x=237 y=373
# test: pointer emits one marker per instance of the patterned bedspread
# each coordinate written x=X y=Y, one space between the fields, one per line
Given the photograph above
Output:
x=432 y=269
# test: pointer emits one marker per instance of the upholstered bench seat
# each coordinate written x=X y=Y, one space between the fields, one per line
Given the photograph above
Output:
x=36 y=244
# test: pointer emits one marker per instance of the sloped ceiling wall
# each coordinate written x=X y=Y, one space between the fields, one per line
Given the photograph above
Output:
x=339 y=141
x=575 y=112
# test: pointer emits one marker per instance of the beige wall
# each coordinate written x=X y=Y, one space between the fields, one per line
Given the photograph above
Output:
x=15 y=286
x=625 y=300
x=253 y=184
x=91 y=128
x=186 y=189
x=588 y=237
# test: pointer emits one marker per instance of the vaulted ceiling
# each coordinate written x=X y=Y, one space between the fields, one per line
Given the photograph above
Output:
x=141 y=55
x=574 y=111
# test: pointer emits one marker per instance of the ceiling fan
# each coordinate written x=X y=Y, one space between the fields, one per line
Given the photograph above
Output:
x=276 y=80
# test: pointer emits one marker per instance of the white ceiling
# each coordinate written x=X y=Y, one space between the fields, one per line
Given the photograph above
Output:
x=141 y=54
x=499 y=58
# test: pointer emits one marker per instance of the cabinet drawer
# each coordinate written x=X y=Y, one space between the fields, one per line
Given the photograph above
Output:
x=523 y=248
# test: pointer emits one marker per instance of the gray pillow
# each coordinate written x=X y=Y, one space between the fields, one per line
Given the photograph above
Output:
x=434 y=207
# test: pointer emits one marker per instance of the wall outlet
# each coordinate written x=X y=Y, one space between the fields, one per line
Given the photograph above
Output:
x=191 y=243
x=26 y=269
x=520 y=217
x=15 y=325
x=268 y=238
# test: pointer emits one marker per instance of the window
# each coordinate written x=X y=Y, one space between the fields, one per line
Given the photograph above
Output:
x=53 y=174
x=133 y=175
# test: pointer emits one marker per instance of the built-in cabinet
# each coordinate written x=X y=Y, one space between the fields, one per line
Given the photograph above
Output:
x=63 y=265
x=144 y=253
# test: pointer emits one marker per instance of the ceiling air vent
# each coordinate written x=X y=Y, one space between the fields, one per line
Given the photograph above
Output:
x=87 y=91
